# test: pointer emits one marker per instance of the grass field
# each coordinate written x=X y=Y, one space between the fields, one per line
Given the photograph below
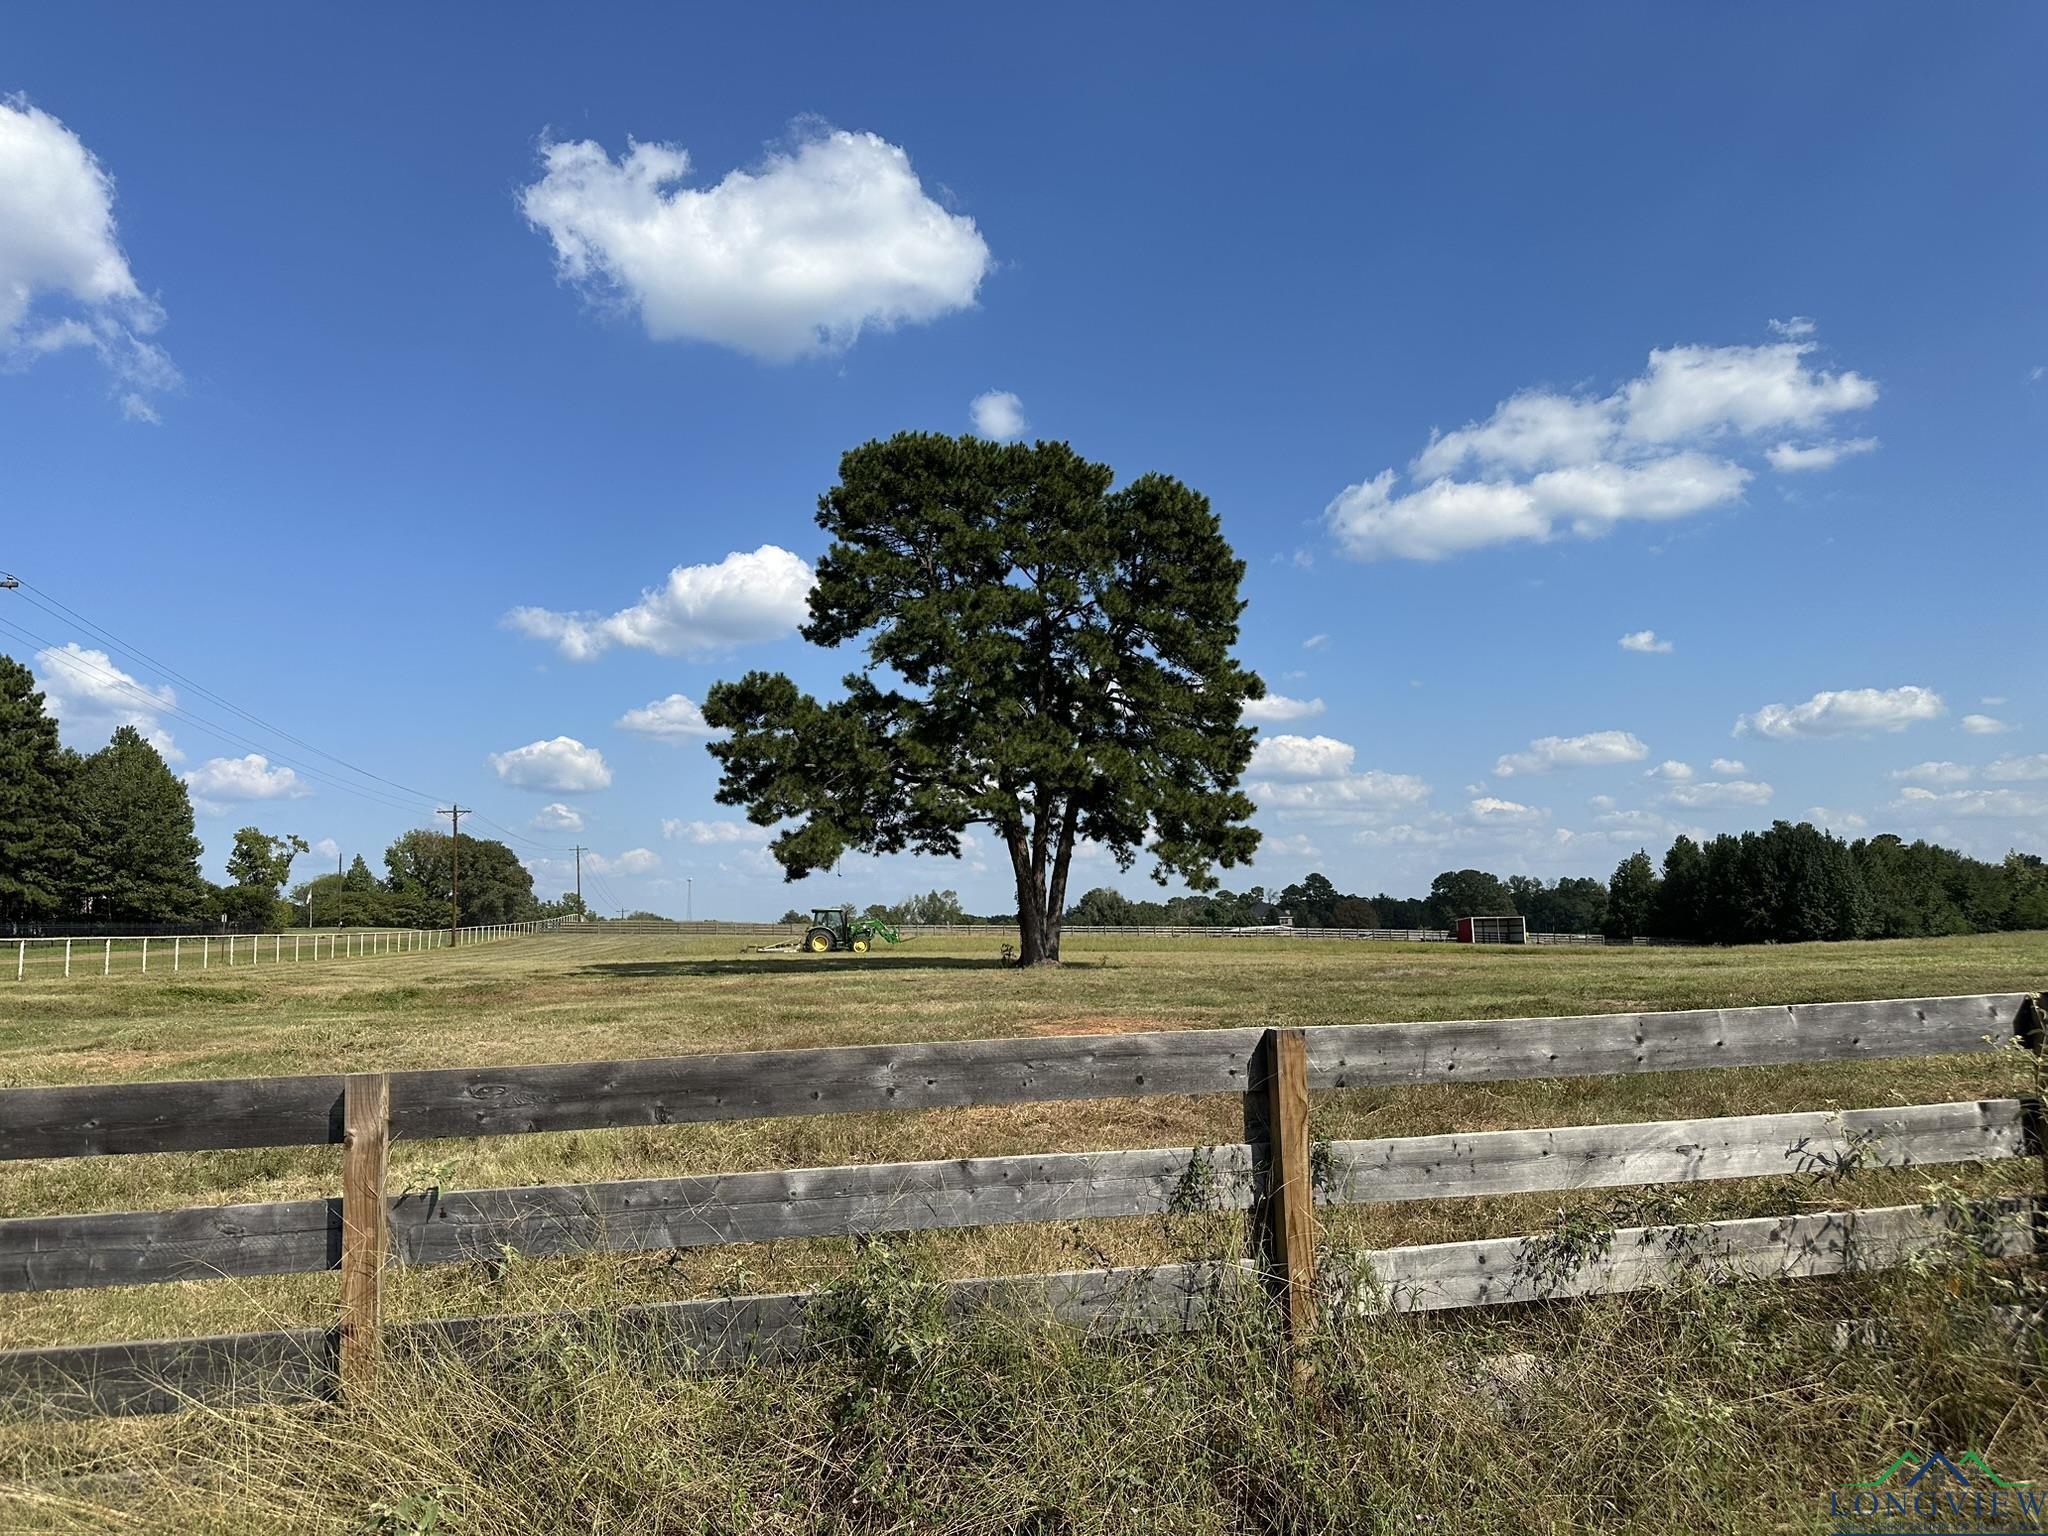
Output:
x=587 y=996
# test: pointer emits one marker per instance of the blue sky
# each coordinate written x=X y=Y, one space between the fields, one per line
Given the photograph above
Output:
x=331 y=342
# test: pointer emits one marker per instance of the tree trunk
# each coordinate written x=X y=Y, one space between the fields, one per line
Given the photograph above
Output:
x=1037 y=929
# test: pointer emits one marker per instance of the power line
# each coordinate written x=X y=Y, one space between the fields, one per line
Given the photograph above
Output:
x=149 y=703
x=56 y=609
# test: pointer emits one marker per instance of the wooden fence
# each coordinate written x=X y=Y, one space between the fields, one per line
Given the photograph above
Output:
x=1269 y=1174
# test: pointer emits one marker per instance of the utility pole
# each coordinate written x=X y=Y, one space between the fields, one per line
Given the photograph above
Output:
x=455 y=815
x=689 y=899
x=580 y=910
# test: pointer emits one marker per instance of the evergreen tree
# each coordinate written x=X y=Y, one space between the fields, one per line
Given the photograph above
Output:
x=1632 y=897
x=38 y=833
x=1045 y=656
x=140 y=856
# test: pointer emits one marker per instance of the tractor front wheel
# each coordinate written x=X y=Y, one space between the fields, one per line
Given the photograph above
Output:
x=818 y=941
x=860 y=946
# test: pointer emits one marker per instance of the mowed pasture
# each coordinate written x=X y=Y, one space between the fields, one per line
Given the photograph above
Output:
x=588 y=996
x=1742 y=1399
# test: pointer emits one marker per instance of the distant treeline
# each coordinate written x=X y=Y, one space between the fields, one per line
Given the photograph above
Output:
x=1790 y=883
x=108 y=837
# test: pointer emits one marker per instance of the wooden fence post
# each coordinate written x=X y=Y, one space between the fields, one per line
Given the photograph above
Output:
x=1290 y=1232
x=365 y=1225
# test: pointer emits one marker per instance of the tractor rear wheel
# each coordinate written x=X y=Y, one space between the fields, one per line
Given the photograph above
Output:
x=818 y=941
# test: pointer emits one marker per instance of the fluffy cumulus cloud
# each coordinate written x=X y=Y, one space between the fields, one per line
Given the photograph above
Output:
x=64 y=281
x=1710 y=792
x=1728 y=765
x=1588 y=751
x=223 y=781
x=831 y=236
x=557 y=817
x=1301 y=757
x=1794 y=456
x=1671 y=771
x=999 y=415
x=1984 y=725
x=1314 y=775
x=1645 y=642
x=1935 y=773
x=713 y=832
x=701 y=610
x=2010 y=804
x=1278 y=708
x=90 y=697
x=634 y=861
x=563 y=765
x=1683 y=436
x=2026 y=769
x=1492 y=811
x=1847 y=712
x=675 y=718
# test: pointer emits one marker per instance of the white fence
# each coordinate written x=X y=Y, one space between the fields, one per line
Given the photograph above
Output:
x=139 y=955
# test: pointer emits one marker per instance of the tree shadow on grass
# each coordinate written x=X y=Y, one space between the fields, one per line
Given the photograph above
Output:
x=763 y=965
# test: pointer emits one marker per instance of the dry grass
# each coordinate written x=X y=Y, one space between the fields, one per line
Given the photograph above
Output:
x=589 y=996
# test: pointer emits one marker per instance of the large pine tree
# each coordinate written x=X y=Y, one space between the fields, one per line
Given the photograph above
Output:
x=140 y=859
x=38 y=843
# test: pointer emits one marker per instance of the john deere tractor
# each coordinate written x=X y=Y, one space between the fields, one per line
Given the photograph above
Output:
x=837 y=928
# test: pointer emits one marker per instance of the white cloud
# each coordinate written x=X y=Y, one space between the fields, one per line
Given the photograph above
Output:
x=1549 y=752
x=675 y=718
x=831 y=236
x=1491 y=810
x=1984 y=725
x=634 y=861
x=1313 y=775
x=1645 y=641
x=1836 y=821
x=90 y=697
x=2011 y=803
x=557 y=817
x=1661 y=446
x=64 y=281
x=1277 y=708
x=1670 y=771
x=223 y=781
x=1728 y=765
x=676 y=830
x=1935 y=773
x=1826 y=455
x=1693 y=390
x=1300 y=757
x=1992 y=701
x=1849 y=712
x=1711 y=792
x=999 y=415
x=2019 y=769
x=562 y=764
x=1795 y=328
x=701 y=610
x=325 y=850
x=1315 y=642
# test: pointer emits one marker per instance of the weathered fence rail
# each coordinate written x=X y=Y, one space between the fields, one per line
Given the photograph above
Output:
x=1269 y=1173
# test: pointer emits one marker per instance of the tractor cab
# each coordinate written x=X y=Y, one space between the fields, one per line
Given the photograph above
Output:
x=832 y=928
x=837 y=928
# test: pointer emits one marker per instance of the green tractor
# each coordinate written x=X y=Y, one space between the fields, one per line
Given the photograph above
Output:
x=837 y=928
